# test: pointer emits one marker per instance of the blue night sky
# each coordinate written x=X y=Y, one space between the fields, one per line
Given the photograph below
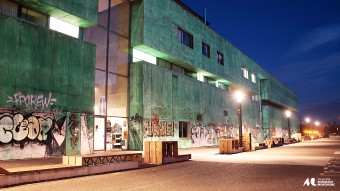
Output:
x=298 y=41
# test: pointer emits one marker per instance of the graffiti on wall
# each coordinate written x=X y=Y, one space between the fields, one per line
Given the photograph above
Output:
x=36 y=102
x=157 y=128
x=205 y=135
x=278 y=132
x=86 y=134
x=73 y=126
x=35 y=130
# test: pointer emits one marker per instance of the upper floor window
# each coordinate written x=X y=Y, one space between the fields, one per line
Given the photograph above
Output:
x=245 y=72
x=205 y=50
x=220 y=59
x=253 y=78
x=185 y=38
x=64 y=27
x=16 y=10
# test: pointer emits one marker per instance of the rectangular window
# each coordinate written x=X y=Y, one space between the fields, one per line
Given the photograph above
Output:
x=200 y=77
x=34 y=17
x=142 y=56
x=183 y=129
x=185 y=38
x=220 y=59
x=245 y=72
x=9 y=8
x=205 y=50
x=253 y=78
x=64 y=27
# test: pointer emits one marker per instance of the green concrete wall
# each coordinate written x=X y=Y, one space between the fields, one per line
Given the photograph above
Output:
x=161 y=97
x=82 y=13
x=46 y=92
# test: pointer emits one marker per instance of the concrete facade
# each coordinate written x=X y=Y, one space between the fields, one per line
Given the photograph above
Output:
x=166 y=94
x=46 y=85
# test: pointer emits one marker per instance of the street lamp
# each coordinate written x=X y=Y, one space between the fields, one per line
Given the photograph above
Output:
x=239 y=97
x=307 y=119
x=288 y=114
x=317 y=123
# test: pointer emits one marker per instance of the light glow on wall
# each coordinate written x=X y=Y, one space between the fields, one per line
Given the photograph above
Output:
x=64 y=27
x=142 y=56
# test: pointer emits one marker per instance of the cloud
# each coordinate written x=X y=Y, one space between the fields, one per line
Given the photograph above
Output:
x=313 y=39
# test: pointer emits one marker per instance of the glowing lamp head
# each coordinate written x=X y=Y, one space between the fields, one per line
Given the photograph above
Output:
x=239 y=96
x=317 y=123
x=288 y=113
x=307 y=119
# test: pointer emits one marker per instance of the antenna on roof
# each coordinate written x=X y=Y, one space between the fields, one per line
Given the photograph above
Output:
x=205 y=15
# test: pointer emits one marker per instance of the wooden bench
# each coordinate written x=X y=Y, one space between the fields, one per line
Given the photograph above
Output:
x=228 y=146
x=162 y=152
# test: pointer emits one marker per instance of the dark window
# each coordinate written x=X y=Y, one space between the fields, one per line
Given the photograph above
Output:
x=13 y=9
x=183 y=129
x=225 y=113
x=185 y=38
x=9 y=8
x=220 y=59
x=33 y=16
x=199 y=118
x=205 y=50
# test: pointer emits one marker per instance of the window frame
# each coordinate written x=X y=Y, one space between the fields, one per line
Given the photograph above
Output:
x=245 y=72
x=207 y=54
x=253 y=78
x=181 y=126
x=181 y=34
x=220 y=61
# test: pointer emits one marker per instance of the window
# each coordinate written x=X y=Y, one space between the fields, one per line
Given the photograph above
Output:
x=185 y=38
x=199 y=118
x=16 y=10
x=220 y=59
x=183 y=129
x=9 y=8
x=225 y=113
x=142 y=56
x=245 y=72
x=64 y=27
x=200 y=77
x=33 y=16
x=205 y=50
x=253 y=78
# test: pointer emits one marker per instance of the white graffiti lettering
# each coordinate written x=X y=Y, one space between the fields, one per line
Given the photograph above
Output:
x=17 y=128
x=38 y=102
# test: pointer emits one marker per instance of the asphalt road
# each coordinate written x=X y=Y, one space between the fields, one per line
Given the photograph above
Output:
x=281 y=168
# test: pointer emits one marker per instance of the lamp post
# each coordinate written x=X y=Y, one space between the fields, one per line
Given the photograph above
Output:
x=288 y=114
x=307 y=119
x=239 y=97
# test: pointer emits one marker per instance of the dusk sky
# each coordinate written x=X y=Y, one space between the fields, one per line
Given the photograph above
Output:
x=298 y=41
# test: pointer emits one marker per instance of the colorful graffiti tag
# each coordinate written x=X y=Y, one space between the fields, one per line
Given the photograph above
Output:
x=157 y=128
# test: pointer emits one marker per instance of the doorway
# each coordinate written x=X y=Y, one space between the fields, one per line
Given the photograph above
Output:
x=99 y=133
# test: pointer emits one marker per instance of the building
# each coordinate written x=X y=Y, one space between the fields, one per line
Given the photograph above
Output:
x=46 y=80
x=183 y=77
x=127 y=72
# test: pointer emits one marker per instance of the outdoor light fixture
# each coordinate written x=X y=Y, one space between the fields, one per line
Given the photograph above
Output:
x=239 y=97
x=307 y=119
x=317 y=123
x=288 y=114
